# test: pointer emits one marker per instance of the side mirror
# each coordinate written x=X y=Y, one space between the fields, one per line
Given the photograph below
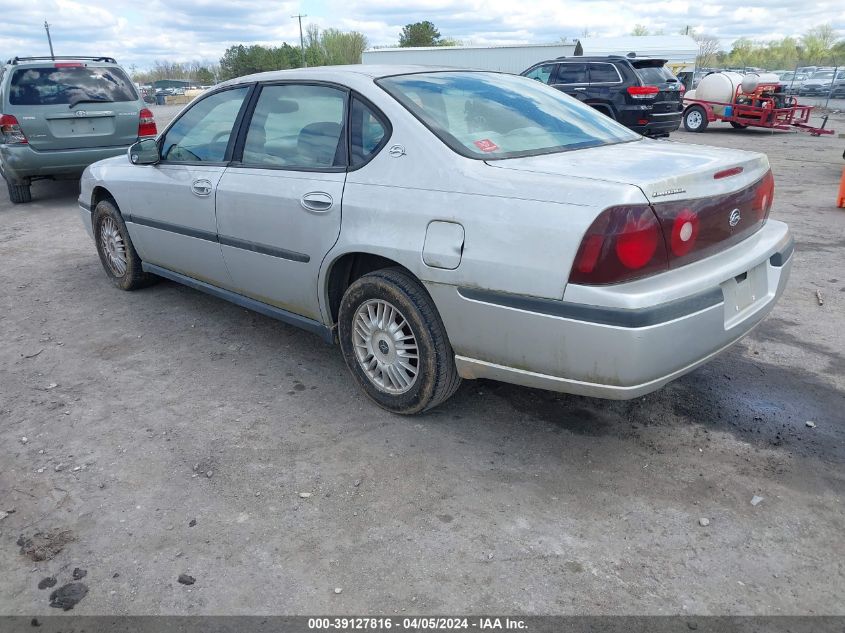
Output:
x=144 y=152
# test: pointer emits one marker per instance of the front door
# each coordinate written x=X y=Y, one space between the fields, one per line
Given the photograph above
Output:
x=171 y=210
x=279 y=204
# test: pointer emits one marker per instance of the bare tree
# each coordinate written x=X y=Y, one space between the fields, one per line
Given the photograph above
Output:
x=708 y=48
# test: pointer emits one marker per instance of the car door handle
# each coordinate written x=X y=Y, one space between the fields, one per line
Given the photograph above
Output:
x=201 y=187
x=579 y=89
x=318 y=201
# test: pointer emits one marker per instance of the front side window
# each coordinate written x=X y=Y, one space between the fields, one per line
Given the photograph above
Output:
x=495 y=115
x=202 y=133
x=68 y=84
x=541 y=73
x=368 y=132
x=572 y=74
x=297 y=127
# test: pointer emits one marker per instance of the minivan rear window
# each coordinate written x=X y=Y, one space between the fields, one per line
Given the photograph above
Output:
x=51 y=85
x=653 y=74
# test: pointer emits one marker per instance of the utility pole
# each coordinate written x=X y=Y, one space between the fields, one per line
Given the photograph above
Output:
x=301 y=39
x=49 y=41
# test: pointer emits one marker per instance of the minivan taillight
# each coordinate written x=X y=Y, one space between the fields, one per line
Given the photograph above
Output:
x=10 y=131
x=623 y=243
x=146 y=123
x=643 y=92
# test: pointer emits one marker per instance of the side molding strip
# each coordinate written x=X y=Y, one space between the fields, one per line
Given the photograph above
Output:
x=620 y=317
x=315 y=327
x=234 y=242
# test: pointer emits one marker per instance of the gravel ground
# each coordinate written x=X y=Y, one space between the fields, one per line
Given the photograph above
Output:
x=169 y=433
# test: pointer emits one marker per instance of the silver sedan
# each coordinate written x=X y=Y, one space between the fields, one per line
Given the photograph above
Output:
x=444 y=224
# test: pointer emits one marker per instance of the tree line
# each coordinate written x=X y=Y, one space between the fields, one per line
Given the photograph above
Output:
x=818 y=46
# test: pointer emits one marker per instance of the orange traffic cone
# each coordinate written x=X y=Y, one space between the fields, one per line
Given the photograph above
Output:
x=840 y=199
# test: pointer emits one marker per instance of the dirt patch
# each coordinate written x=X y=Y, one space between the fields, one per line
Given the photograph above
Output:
x=44 y=545
x=68 y=596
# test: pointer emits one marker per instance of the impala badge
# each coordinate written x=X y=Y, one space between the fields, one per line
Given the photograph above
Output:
x=735 y=217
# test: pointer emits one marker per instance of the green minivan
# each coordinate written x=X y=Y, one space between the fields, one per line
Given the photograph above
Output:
x=60 y=114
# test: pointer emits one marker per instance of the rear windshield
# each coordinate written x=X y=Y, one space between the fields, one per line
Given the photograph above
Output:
x=65 y=85
x=492 y=115
x=652 y=74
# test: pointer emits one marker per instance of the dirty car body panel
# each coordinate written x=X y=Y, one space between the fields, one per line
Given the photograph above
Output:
x=492 y=235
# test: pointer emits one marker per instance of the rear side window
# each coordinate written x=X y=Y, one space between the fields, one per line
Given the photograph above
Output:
x=297 y=127
x=604 y=74
x=572 y=74
x=67 y=85
x=655 y=74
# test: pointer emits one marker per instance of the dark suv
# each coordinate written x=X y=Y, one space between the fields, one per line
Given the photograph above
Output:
x=639 y=92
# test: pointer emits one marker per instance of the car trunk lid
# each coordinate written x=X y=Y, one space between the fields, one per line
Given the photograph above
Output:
x=719 y=187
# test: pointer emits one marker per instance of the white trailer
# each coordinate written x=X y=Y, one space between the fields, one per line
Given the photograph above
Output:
x=509 y=59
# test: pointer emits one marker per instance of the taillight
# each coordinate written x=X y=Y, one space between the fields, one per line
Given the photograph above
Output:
x=764 y=196
x=684 y=232
x=10 y=131
x=623 y=243
x=643 y=92
x=146 y=123
x=682 y=88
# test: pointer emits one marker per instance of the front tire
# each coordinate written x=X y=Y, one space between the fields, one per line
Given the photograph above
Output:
x=395 y=344
x=19 y=194
x=115 y=248
x=695 y=119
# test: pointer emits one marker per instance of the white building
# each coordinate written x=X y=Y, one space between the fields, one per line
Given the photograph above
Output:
x=509 y=59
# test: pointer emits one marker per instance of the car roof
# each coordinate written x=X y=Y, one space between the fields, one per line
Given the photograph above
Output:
x=338 y=73
x=602 y=58
x=40 y=61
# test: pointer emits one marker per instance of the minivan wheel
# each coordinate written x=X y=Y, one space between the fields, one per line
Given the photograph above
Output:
x=695 y=119
x=395 y=344
x=117 y=254
x=19 y=194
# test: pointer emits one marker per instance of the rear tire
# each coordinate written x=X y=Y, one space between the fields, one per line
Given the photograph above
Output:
x=395 y=344
x=695 y=119
x=19 y=194
x=738 y=126
x=115 y=248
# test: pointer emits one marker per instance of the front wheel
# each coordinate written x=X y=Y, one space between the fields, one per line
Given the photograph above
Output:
x=115 y=248
x=395 y=344
x=695 y=119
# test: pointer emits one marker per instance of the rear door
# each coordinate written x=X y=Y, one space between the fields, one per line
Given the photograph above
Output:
x=572 y=79
x=653 y=72
x=279 y=203
x=74 y=105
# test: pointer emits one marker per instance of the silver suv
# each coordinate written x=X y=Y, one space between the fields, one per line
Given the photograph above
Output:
x=60 y=114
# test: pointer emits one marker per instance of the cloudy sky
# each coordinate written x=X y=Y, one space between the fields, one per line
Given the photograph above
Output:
x=138 y=32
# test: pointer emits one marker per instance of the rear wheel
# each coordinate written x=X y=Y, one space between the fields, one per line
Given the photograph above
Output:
x=114 y=246
x=695 y=119
x=738 y=126
x=395 y=344
x=19 y=194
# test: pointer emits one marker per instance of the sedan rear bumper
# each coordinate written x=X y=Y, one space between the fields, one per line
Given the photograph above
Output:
x=618 y=350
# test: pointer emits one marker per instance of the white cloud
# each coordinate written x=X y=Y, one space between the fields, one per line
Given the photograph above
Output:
x=202 y=29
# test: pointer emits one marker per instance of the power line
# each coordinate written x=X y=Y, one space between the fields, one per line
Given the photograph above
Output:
x=301 y=39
